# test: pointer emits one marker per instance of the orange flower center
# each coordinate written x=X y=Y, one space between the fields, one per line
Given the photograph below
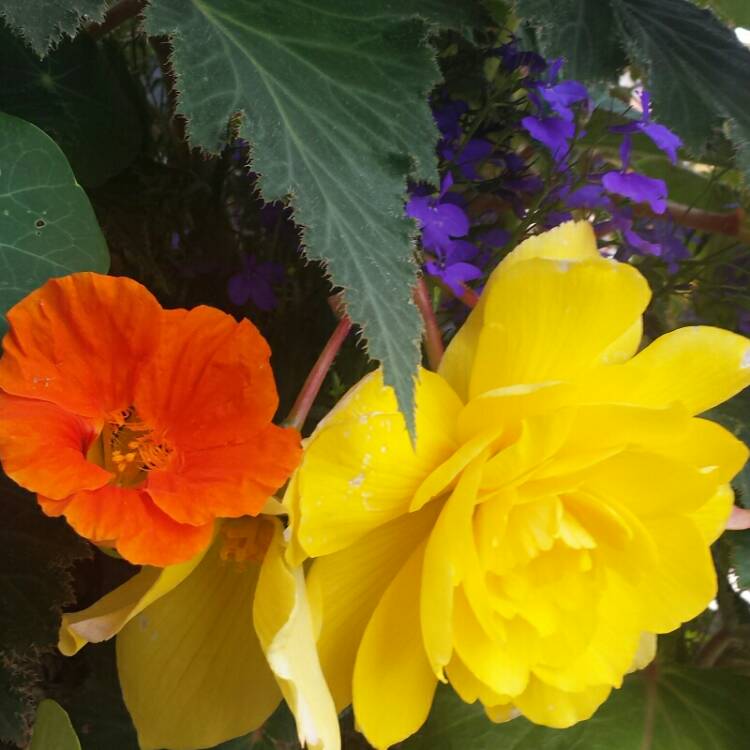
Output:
x=245 y=539
x=129 y=448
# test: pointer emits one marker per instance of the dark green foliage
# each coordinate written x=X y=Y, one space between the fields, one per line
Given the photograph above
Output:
x=35 y=586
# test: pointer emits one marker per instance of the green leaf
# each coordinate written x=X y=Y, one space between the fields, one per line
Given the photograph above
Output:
x=47 y=225
x=43 y=23
x=697 y=68
x=95 y=705
x=740 y=555
x=52 y=729
x=333 y=97
x=35 y=586
x=581 y=31
x=735 y=12
x=677 y=708
x=75 y=95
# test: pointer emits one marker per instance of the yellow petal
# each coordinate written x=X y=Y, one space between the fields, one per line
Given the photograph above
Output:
x=649 y=485
x=552 y=320
x=393 y=681
x=360 y=470
x=683 y=583
x=450 y=556
x=284 y=625
x=544 y=704
x=192 y=671
x=698 y=366
x=612 y=648
x=346 y=586
x=569 y=241
x=645 y=653
x=502 y=667
x=468 y=687
x=112 y=612
x=711 y=518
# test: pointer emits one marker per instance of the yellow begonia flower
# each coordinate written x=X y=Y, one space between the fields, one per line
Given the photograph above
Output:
x=206 y=648
x=556 y=514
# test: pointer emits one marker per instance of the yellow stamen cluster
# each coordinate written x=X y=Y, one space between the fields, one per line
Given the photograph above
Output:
x=245 y=539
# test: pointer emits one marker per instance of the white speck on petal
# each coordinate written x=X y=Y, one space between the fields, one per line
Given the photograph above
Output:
x=745 y=363
x=563 y=265
x=357 y=481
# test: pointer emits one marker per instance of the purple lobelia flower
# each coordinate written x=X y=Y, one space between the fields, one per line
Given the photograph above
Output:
x=743 y=322
x=561 y=96
x=469 y=156
x=447 y=116
x=255 y=282
x=554 y=132
x=638 y=188
x=656 y=237
x=451 y=264
x=589 y=196
x=663 y=138
x=441 y=221
x=514 y=58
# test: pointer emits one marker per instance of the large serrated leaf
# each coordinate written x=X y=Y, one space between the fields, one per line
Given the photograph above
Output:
x=334 y=100
x=76 y=96
x=697 y=68
x=47 y=225
x=43 y=23
x=675 y=709
x=34 y=587
x=581 y=31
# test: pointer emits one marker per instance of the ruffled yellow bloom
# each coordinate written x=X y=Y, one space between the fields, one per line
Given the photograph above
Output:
x=207 y=648
x=556 y=514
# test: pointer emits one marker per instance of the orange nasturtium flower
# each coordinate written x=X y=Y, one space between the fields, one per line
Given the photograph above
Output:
x=556 y=514
x=140 y=425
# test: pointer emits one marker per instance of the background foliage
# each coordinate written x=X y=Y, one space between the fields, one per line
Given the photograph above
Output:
x=213 y=149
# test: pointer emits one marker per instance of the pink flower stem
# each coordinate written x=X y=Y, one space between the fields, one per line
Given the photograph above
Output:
x=314 y=381
x=433 y=339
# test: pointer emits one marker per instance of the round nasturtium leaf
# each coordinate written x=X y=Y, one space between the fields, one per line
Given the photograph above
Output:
x=47 y=225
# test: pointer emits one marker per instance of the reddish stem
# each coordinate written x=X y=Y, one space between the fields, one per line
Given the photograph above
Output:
x=314 y=381
x=730 y=223
x=433 y=340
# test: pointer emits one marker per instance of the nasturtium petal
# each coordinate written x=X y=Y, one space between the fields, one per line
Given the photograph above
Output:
x=40 y=447
x=393 y=683
x=69 y=338
x=192 y=671
x=201 y=352
x=361 y=469
x=128 y=520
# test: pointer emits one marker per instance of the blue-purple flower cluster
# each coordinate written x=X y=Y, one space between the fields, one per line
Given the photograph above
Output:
x=459 y=239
